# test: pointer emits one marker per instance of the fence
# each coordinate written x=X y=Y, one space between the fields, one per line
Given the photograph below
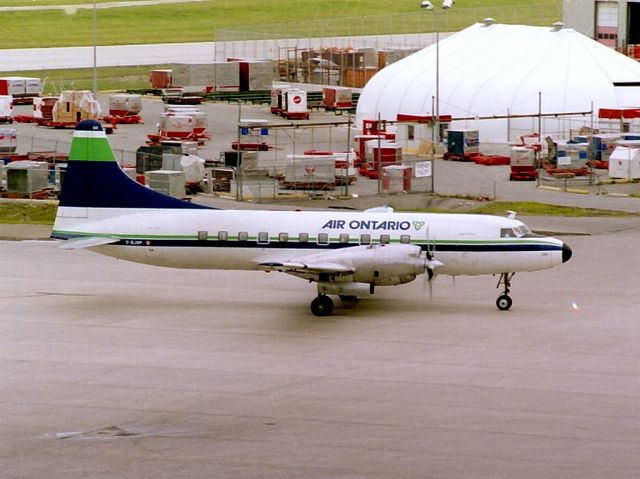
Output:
x=384 y=31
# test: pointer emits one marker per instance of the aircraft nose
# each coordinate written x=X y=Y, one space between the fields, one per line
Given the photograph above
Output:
x=566 y=252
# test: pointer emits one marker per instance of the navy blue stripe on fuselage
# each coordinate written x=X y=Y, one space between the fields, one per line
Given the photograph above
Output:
x=313 y=246
x=103 y=184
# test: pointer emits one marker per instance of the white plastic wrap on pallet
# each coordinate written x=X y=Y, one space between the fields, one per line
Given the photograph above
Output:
x=624 y=163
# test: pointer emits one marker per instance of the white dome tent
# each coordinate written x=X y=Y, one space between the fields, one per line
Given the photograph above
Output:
x=501 y=70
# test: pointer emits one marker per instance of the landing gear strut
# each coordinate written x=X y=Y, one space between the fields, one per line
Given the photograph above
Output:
x=504 y=301
x=322 y=305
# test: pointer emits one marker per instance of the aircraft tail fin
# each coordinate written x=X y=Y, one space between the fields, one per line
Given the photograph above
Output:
x=95 y=180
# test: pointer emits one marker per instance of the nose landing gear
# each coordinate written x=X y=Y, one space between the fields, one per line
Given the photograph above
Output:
x=504 y=301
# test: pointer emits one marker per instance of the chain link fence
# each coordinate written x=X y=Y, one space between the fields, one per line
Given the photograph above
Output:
x=384 y=31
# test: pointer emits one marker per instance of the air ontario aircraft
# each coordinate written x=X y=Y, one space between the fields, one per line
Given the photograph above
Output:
x=347 y=254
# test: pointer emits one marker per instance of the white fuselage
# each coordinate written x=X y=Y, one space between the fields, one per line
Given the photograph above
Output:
x=242 y=240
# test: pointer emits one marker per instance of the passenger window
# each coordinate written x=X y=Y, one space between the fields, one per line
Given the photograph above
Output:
x=303 y=237
x=243 y=236
x=223 y=236
x=365 y=238
x=323 y=238
x=203 y=235
x=283 y=237
x=263 y=237
x=385 y=239
x=405 y=239
x=344 y=238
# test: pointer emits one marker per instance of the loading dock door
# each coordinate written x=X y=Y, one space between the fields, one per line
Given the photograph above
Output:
x=633 y=23
x=607 y=23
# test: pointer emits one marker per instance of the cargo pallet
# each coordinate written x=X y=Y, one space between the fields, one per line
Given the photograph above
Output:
x=25 y=119
x=262 y=146
x=297 y=115
x=125 y=119
x=523 y=173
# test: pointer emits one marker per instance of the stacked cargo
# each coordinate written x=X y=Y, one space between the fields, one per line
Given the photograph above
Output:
x=624 y=162
x=461 y=144
x=600 y=148
x=293 y=104
x=313 y=172
x=75 y=106
x=523 y=164
x=396 y=179
x=337 y=98
x=181 y=123
x=573 y=156
x=26 y=177
x=207 y=77
x=8 y=140
x=6 y=109
x=378 y=155
x=23 y=89
x=168 y=182
x=124 y=108
x=43 y=107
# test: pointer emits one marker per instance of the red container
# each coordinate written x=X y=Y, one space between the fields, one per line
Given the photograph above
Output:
x=160 y=78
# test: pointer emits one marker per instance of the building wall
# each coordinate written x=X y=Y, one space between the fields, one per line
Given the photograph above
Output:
x=581 y=15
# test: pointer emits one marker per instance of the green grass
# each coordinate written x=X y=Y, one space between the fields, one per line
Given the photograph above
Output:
x=44 y=213
x=36 y=213
x=109 y=78
x=193 y=22
x=528 y=208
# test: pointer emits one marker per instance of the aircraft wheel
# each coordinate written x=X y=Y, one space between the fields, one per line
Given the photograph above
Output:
x=504 y=302
x=322 y=305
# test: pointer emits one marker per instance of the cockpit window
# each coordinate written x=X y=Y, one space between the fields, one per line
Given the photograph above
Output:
x=516 y=232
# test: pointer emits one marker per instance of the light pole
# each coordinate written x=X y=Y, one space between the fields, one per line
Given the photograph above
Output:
x=427 y=5
x=95 y=35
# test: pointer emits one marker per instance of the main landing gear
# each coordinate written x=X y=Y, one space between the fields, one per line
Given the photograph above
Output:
x=322 y=305
x=504 y=301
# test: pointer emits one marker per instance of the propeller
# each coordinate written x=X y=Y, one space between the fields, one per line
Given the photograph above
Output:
x=430 y=263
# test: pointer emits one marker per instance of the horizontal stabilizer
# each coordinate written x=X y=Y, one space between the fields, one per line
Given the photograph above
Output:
x=80 y=243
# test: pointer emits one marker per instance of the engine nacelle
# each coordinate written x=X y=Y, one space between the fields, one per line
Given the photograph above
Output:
x=387 y=265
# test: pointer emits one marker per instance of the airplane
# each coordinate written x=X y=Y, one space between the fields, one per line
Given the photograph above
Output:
x=347 y=253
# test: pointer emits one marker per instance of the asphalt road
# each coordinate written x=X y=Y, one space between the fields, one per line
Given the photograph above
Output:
x=117 y=370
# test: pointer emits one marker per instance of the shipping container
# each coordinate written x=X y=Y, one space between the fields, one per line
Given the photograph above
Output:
x=8 y=140
x=123 y=104
x=337 y=97
x=624 y=161
x=463 y=142
x=295 y=104
x=256 y=75
x=161 y=79
x=6 y=108
x=207 y=77
x=21 y=88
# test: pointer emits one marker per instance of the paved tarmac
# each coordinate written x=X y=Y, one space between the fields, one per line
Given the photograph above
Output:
x=112 y=369
x=117 y=370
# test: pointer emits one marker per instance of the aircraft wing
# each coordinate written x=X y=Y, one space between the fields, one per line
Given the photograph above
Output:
x=307 y=268
x=80 y=243
x=312 y=266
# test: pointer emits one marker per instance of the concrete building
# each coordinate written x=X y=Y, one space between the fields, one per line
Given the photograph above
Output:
x=615 y=23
